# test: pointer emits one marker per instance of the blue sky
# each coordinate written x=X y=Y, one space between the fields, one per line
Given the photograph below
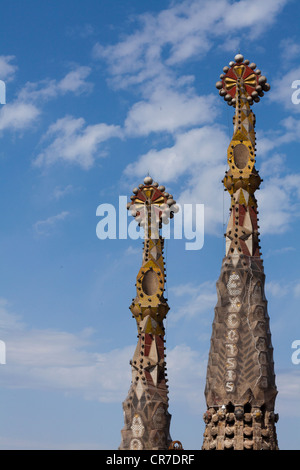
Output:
x=99 y=93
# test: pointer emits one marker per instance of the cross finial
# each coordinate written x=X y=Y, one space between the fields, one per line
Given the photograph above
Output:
x=151 y=206
x=241 y=74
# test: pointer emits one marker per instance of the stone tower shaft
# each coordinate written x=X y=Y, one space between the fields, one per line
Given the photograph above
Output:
x=146 y=415
x=240 y=387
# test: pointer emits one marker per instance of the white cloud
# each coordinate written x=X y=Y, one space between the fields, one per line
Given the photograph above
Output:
x=297 y=290
x=276 y=289
x=73 y=82
x=288 y=384
x=290 y=50
x=17 y=116
x=279 y=251
x=273 y=166
x=180 y=32
x=49 y=359
x=74 y=142
x=278 y=202
x=253 y=14
x=23 y=112
x=46 y=227
x=196 y=300
x=59 y=360
x=283 y=92
x=286 y=133
x=169 y=110
x=60 y=192
x=7 y=69
x=148 y=58
x=84 y=30
x=9 y=321
x=282 y=288
x=192 y=148
x=186 y=372
x=192 y=155
x=206 y=188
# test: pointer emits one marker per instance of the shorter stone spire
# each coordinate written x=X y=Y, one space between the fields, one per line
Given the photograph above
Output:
x=146 y=415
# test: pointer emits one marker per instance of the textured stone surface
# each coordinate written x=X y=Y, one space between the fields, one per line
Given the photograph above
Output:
x=240 y=385
x=146 y=416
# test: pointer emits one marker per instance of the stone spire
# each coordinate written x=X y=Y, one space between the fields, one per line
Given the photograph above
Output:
x=240 y=387
x=146 y=415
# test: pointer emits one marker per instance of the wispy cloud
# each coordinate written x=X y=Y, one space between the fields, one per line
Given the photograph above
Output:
x=279 y=202
x=74 y=142
x=168 y=110
x=188 y=158
x=181 y=32
x=151 y=60
x=23 y=112
x=47 y=226
x=60 y=360
x=60 y=192
x=83 y=31
x=288 y=383
x=193 y=300
x=289 y=49
x=7 y=67
x=281 y=288
x=73 y=82
x=18 y=116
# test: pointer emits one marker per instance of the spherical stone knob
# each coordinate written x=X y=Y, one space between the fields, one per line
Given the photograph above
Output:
x=135 y=190
x=219 y=85
x=161 y=188
x=262 y=79
x=239 y=58
x=239 y=414
x=170 y=202
x=148 y=180
x=252 y=66
x=166 y=212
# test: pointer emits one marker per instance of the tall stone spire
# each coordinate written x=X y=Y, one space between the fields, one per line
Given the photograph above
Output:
x=240 y=387
x=146 y=415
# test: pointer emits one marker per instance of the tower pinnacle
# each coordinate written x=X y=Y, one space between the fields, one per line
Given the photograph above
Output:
x=146 y=415
x=240 y=387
